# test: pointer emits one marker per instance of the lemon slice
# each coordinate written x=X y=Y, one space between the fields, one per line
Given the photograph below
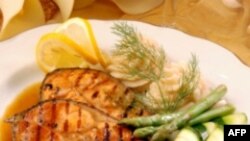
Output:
x=56 y=50
x=80 y=31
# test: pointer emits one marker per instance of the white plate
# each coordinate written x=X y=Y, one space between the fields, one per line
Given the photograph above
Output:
x=18 y=68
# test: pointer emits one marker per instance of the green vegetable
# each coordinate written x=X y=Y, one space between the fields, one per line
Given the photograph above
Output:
x=236 y=118
x=158 y=119
x=210 y=131
x=134 y=47
x=189 y=81
x=199 y=132
x=205 y=129
x=145 y=132
x=154 y=120
x=216 y=135
x=212 y=114
x=188 y=134
x=210 y=127
x=166 y=130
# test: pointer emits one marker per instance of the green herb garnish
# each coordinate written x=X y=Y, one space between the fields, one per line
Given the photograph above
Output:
x=133 y=46
x=189 y=81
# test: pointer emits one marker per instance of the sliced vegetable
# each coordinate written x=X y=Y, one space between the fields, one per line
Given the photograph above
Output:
x=205 y=129
x=184 y=117
x=166 y=130
x=237 y=118
x=216 y=135
x=210 y=126
x=201 y=130
x=198 y=132
x=188 y=134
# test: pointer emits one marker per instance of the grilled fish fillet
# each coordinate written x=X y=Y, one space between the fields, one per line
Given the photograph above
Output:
x=66 y=120
x=94 y=87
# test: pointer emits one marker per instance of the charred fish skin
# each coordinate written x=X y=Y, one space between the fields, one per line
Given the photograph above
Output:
x=66 y=120
x=88 y=86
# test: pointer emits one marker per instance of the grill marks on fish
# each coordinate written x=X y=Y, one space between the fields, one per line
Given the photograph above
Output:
x=65 y=120
x=33 y=132
x=79 y=122
x=65 y=125
x=77 y=104
x=106 y=133
x=94 y=87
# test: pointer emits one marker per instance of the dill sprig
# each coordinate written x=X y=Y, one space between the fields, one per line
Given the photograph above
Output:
x=134 y=47
x=189 y=82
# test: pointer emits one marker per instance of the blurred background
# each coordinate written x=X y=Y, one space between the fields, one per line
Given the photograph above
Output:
x=226 y=22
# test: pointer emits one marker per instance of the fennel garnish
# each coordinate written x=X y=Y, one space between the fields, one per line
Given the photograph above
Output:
x=189 y=82
x=146 y=60
x=169 y=102
x=134 y=48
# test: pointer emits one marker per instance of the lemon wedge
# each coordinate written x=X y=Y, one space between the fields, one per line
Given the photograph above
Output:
x=80 y=31
x=56 y=50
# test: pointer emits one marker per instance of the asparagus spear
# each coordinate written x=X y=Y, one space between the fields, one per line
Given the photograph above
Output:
x=157 y=120
x=207 y=116
x=145 y=131
x=211 y=114
x=166 y=130
x=154 y=120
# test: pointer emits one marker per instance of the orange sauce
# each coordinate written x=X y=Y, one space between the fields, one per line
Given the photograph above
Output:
x=24 y=100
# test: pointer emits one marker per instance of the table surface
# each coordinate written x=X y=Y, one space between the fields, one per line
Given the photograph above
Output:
x=209 y=19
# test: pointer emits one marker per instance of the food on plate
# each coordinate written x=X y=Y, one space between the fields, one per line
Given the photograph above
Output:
x=157 y=120
x=71 y=45
x=96 y=88
x=56 y=51
x=141 y=94
x=65 y=120
x=80 y=31
x=165 y=130
x=142 y=60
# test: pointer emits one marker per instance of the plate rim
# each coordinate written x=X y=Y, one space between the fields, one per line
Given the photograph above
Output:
x=228 y=53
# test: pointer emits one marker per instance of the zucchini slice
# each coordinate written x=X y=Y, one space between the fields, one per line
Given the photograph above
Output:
x=188 y=134
x=237 y=118
x=216 y=135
